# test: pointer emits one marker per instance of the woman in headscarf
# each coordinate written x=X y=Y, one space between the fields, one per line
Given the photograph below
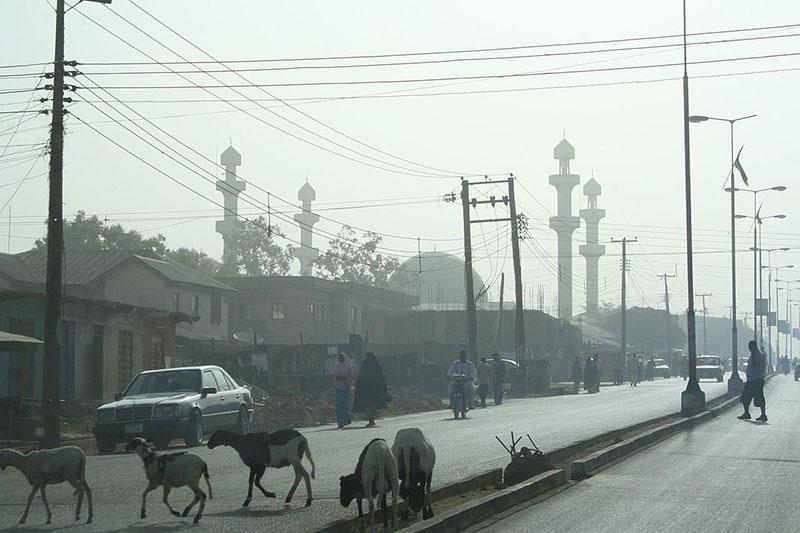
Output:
x=342 y=383
x=371 y=394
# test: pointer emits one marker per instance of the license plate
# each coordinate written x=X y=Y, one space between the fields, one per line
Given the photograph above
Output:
x=134 y=428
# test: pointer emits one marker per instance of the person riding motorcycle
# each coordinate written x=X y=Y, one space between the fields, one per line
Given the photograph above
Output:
x=465 y=367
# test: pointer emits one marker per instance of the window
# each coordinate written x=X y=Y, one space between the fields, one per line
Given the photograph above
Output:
x=221 y=381
x=216 y=309
x=278 y=311
x=176 y=302
x=125 y=358
x=313 y=310
x=209 y=381
x=195 y=306
x=355 y=315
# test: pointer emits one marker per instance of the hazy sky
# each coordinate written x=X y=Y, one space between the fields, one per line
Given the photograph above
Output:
x=629 y=135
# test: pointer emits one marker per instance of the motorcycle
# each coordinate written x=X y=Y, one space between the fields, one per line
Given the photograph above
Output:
x=460 y=398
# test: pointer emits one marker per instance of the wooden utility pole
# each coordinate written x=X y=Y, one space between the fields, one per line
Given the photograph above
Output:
x=666 y=304
x=705 y=315
x=623 y=308
x=51 y=412
x=519 y=322
x=472 y=319
x=498 y=344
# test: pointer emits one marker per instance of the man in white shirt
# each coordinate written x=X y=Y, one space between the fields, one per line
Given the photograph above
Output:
x=464 y=366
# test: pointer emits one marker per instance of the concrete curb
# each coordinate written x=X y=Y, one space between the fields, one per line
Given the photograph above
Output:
x=478 y=510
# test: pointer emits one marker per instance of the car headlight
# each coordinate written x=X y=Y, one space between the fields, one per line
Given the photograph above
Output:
x=105 y=415
x=167 y=411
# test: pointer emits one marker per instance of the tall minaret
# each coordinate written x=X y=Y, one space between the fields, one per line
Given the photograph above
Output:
x=592 y=251
x=306 y=253
x=230 y=188
x=564 y=224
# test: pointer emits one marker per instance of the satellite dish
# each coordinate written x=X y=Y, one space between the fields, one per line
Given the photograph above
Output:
x=247 y=336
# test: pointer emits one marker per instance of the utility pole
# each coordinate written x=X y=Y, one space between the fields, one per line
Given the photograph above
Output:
x=625 y=267
x=747 y=315
x=472 y=318
x=517 y=227
x=51 y=397
x=705 y=315
x=498 y=344
x=666 y=304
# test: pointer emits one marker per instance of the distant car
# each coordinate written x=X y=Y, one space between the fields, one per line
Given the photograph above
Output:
x=709 y=367
x=161 y=405
x=661 y=369
x=797 y=371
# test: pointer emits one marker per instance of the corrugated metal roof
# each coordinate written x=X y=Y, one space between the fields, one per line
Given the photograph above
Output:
x=16 y=269
x=182 y=274
x=80 y=267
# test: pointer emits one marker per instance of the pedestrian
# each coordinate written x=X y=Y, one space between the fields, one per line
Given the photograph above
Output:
x=639 y=369
x=371 y=394
x=499 y=370
x=632 y=370
x=618 y=370
x=650 y=370
x=485 y=377
x=342 y=383
x=754 y=386
x=576 y=374
x=684 y=367
x=599 y=363
x=589 y=374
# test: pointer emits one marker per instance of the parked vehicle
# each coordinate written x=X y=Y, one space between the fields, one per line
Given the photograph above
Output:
x=661 y=369
x=161 y=405
x=709 y=367
x=460 y=398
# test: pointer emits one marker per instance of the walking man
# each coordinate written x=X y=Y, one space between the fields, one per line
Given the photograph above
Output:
x=485 y=377
x=499 y=370
x=754 y=387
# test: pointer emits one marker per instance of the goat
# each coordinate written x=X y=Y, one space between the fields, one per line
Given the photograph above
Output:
x=172 y=470
x=49 y=467
x=376 y=473
x=275 y=450
x=415 y=461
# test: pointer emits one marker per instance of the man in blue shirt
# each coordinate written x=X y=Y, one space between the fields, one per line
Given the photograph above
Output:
x=464 y=366
x=754 y=388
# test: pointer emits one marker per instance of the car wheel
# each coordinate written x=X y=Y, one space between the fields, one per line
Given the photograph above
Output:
x=194 y=430
x=242 y=426
x=105 y=445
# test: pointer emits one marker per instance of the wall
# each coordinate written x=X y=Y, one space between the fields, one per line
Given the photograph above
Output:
x=133 y=283
x=22 y=308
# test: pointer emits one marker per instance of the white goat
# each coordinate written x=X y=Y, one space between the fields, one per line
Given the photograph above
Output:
x=172 y=470
x=415 y=459
x=379 y=476
x=49 y=467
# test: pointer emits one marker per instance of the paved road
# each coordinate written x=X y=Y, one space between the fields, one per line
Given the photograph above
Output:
x=725 y=475
x=464 y=447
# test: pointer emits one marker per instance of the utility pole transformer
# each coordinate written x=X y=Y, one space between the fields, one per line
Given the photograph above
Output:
x=624 y=266
x=508 y=200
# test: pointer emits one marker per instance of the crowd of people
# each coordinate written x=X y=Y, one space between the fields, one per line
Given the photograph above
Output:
x=632 y=368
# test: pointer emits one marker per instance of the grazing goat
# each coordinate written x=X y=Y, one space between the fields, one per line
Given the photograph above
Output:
x=275 y=450
x=172 y=470
x=415 y=461
x=376 y=474
x=49 y=467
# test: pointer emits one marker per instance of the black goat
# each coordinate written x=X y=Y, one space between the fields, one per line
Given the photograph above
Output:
x=275 y=450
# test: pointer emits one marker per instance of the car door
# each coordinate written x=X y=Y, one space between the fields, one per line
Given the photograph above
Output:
x=229 y=404
x=211 y=404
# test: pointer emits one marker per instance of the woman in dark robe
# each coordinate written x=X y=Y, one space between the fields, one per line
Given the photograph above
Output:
x=589 y=374
x=371 y=394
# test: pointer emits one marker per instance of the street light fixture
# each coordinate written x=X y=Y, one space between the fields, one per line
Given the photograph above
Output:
x=769 y=304
x=735 y=384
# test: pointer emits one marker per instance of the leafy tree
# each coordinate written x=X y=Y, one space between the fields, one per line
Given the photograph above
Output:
x=257 y=252
x=349 y=259
x=90 y=233
x=195 y=259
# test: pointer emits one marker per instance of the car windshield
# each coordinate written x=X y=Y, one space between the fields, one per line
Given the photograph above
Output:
x=168 y=381
x=660 y=362
x=707 y=361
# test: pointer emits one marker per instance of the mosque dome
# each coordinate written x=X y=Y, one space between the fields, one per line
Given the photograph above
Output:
x=442 y=281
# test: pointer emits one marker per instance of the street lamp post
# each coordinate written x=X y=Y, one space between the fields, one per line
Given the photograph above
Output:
x=769 y=293
x=735 y=381
x=692 y=399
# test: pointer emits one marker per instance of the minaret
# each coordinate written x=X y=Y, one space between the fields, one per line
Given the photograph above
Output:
x=564 y=224
x=230 y=188
x=306 y=253
x=592 y=251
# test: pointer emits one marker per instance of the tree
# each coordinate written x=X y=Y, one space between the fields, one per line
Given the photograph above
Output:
x=91 y=233
x=195 y=259
x=257 y=253
x=349 y=259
